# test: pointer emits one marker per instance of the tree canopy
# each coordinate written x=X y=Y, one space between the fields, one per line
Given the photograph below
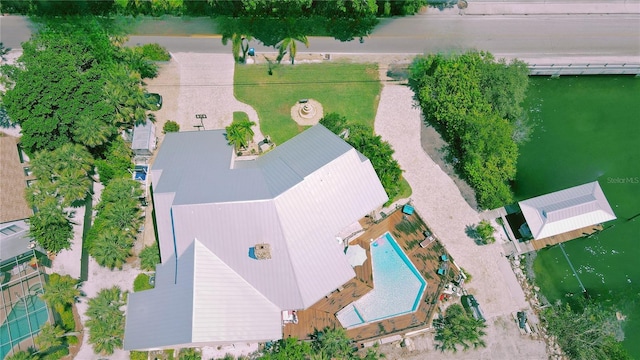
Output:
x=475 y=103
x=106 y=320
x=76 y=83
x=61 y=291
x=328 y=343
x=114 y=230
x=57 y=83
x=587 y=330
x=150 y=257
x=378 y=151
x=210 y=8
x=459 y=328
x=239 y=133
x=64 y=173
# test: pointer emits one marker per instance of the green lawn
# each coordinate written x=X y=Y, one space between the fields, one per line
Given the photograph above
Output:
x=351 y=90
x=240 y=116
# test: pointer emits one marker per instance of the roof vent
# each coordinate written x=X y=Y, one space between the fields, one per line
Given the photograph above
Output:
x=263 y=251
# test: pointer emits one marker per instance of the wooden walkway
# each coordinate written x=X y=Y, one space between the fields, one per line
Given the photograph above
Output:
x=408 y=231
x=560 y=238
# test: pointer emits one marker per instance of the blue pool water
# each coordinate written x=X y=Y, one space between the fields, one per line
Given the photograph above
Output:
x=20 y=326
x=397 y=286
x=140 y=173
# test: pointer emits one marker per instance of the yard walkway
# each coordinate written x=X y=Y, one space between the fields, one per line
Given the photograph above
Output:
x=440 y=203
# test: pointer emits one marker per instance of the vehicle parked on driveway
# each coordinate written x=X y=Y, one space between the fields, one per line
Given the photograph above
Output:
x=155 y=100
x=470 y=303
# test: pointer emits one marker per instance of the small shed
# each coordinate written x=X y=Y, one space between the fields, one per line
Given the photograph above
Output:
x=144 y=139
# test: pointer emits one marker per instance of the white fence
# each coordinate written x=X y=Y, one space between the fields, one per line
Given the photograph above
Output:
x=585 y=69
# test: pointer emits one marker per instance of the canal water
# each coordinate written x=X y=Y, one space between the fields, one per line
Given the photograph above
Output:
x=588 y=129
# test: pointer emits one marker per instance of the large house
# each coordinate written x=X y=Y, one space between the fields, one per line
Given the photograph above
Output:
x=242 y=241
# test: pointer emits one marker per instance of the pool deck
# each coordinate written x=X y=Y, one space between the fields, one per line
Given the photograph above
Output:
x=426 y=260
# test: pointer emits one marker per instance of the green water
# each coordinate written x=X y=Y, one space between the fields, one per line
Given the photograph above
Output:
x=588 y=128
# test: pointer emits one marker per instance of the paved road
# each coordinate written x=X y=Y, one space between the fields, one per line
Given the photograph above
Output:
x=528 y=37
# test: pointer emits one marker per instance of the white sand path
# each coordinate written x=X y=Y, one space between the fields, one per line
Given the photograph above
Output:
x=440 y=203
x=67 y=262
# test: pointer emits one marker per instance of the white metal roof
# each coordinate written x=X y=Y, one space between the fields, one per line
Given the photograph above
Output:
x=296 y=198
x=209 y=304
x=566 y=210
x=144 y=136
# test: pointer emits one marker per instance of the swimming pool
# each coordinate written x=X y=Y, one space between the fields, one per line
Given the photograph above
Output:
x=26 y=318
x=140 y=172
x=397 y=286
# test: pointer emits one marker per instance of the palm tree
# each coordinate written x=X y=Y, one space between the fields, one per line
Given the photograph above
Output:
x=290 y=44
x=50 y=336
x=332 y=343
x=61 y=291
x=460 y=329
x=24 y=355
x=124 y=91
x=92 y=131
x=239 y=42
x=106 y=320
x=119 y=190
x=149 y=257
x=239 y=133
x=111 y=247
x=51 y=228
x=68 y=169
x=123 y=215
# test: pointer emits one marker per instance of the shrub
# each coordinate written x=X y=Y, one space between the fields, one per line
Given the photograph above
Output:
x=485 y=232
x=138 y=355
x=378 y=151
x=141 y=283
x=56 y=355
x=67 y=320
x=475 y=103
x=170 y=126
x=467 y=275
x=117 y=162
x=72 y=340
x=155 y=52
x=189 y=354
x=149 y=257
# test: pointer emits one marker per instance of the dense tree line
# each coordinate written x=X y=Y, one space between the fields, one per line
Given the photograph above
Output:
x=116 y=225
x=585 y=330
x=73 y=90
x=74 y=83
x=475 y=103
x=378 y=151
x=328 y=8
x=329 y=343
